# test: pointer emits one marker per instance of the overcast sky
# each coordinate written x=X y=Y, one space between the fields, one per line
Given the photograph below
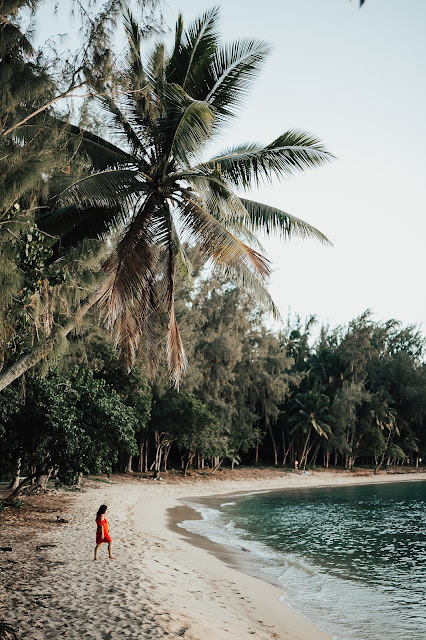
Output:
x=356 y=79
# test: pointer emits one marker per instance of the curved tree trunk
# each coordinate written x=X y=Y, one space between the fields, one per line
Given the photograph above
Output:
x=165 y=456
x=21 y=485
x=40 y=351
x=305 y=451
x=287 y=452
x=274 y=444
x=219 y=464
x=15 y=481
x=379 y=466
x=190 y=458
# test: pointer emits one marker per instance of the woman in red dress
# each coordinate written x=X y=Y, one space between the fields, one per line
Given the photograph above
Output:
x=102 y=532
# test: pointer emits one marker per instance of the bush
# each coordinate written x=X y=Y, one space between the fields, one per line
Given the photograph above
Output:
x=15 y=504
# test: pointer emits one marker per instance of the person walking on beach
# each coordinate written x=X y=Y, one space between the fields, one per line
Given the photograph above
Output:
x=102 y=532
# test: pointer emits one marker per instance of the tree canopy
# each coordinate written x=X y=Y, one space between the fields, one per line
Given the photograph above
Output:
x=130 y=236
x=147 y=187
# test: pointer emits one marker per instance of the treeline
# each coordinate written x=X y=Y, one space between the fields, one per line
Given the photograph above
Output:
x=107 y=220
x=353 y=396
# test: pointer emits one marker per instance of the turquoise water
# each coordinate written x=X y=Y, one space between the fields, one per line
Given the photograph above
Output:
x=351 y=558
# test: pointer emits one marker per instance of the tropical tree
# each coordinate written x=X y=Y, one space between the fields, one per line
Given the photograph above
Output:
x=132 y=386
x=73 y=423
x=36 y=286
x=311 y=416
x=271 y=379
x=154 y=188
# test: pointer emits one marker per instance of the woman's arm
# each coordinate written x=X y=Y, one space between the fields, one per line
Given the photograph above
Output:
x=101 y=527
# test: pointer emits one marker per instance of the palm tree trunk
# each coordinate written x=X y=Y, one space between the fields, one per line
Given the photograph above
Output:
x=305 y=447
x=165 y=456
x=287 y=452
x=379 y=466
x=274 y=444
x=315 y=456
x=39 y=352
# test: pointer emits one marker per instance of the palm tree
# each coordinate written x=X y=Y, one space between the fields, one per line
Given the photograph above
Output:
x=311 y=413
x=152 y=190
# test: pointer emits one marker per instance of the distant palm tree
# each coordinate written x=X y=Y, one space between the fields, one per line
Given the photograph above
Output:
x=310 y=413
x=155 y=189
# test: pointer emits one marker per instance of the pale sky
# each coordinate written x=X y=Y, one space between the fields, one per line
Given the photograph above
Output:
x=356 y=79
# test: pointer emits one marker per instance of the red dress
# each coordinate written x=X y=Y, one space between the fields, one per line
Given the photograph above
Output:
x=102 y=533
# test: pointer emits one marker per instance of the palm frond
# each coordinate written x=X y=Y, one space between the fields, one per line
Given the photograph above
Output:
x=176 y=358
x=102 y=153
x=131 y=267
x=7 y=632
x=193 y=49
x=134 y=39
x=128 y=297
x=71 y=225
x=113 y=186
x=224 y=205
x=231 y=73
x=121 y=125
x=248 y=281
x=262 y=217
x=251 y=164
x=186 y=127
x=215 y=241
x=183 y=262
x=178 y=37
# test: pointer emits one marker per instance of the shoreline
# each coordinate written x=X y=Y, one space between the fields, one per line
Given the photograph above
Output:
x=287 y=622
x=162 y=585
x=244 y=606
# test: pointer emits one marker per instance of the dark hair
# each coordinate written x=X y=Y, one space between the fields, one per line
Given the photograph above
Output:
x=101 y=510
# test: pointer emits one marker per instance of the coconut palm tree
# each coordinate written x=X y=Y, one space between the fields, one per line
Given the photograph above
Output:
x=311 y=415
x=152 y=189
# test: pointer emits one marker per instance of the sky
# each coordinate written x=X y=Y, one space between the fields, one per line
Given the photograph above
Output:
x=354 y=78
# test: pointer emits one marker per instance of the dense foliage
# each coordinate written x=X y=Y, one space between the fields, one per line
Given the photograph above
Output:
x=354 y=395
x=146 y=187
x=83 y=220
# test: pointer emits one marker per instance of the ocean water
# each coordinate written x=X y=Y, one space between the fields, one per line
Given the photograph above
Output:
x=350 y=558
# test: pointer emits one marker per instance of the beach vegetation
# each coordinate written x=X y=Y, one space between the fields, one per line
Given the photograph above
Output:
x=352 y=397
x=128 y=248
x=148 y=185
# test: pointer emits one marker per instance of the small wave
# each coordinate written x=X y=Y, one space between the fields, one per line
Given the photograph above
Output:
x=227 y=504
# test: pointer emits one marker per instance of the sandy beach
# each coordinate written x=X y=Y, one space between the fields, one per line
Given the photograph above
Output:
x=163 y=583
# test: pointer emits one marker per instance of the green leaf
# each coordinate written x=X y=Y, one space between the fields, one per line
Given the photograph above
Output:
x=187 y=126
x=105 y=188
x=193 y=49
x=232 y=72
x=262 y=217
x=251 y=164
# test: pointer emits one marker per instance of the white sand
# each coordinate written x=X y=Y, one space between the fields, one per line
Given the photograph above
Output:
x=160 y=585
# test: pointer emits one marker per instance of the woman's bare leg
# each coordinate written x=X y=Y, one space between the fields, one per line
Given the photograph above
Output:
x=111 y=557
x=96 y=551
